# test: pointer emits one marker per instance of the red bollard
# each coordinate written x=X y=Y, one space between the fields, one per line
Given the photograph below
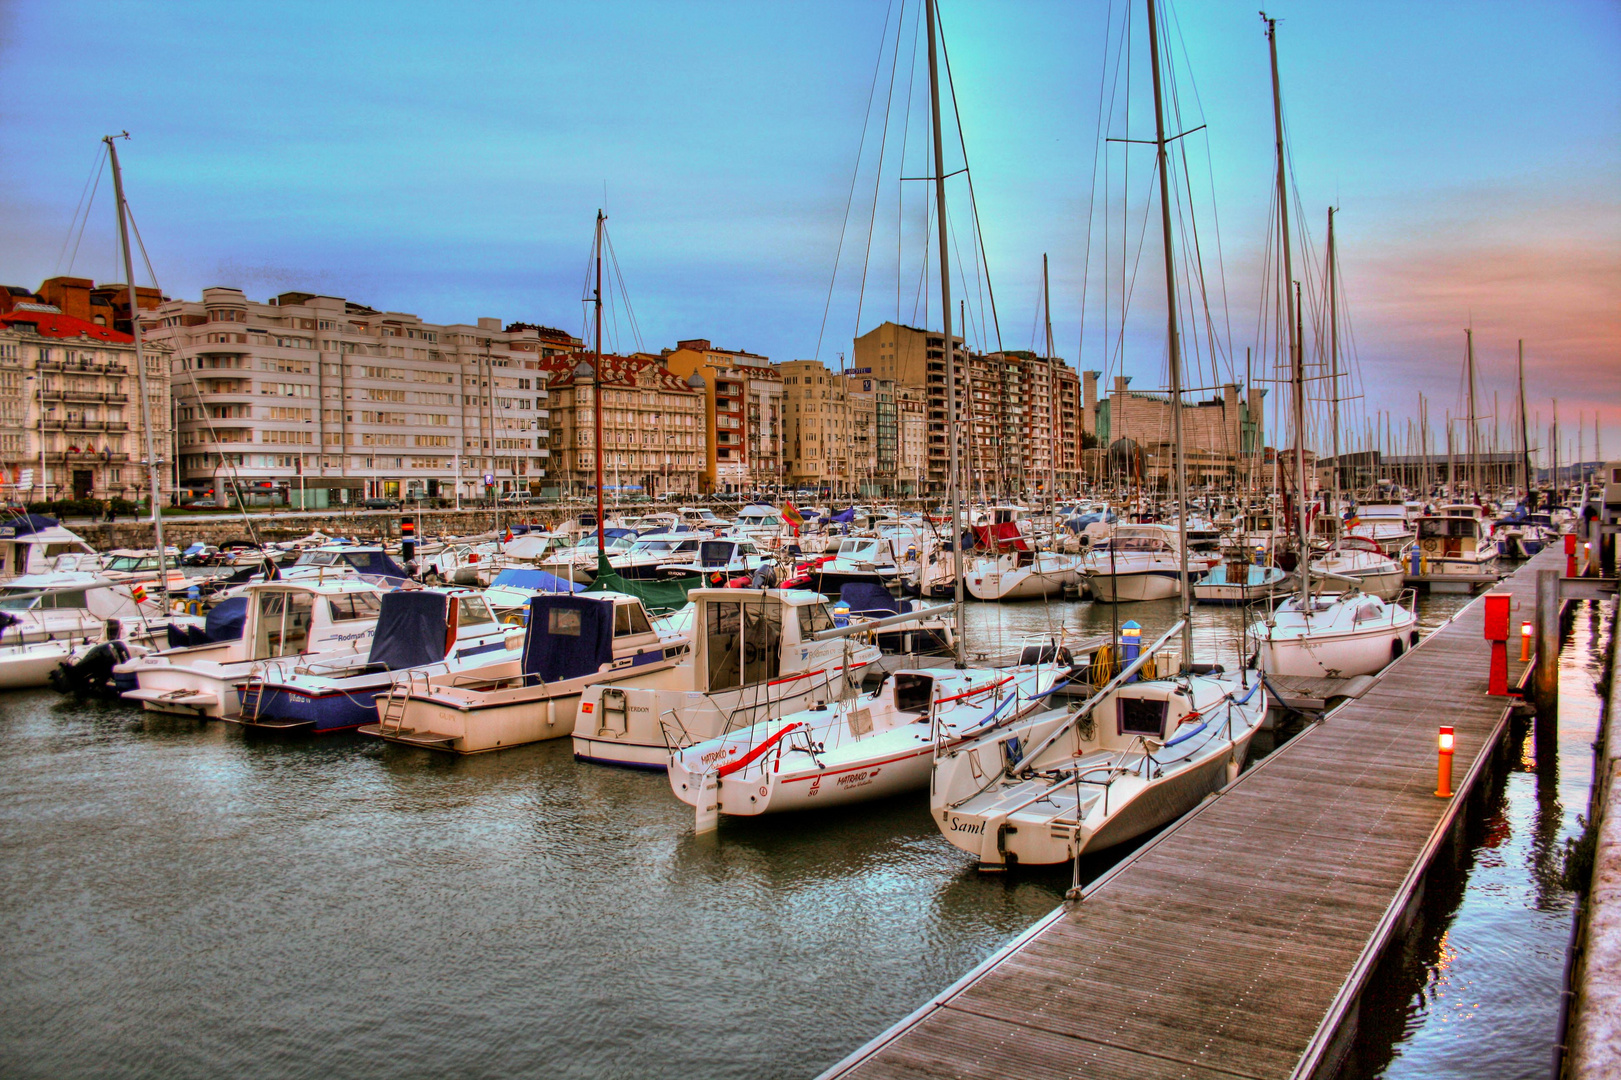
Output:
x=1497 y=608
x=1570 y=554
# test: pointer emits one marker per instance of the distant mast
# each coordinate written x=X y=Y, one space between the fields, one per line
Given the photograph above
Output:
x=140 y=366
x=1334 y=363
x=1525 y=433
x=952 y=478
x=596 y=397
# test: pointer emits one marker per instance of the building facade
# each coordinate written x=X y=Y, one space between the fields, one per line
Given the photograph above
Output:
x=316 y=400
x=743 y=406
x=72 y=423
x=1136 y=432
x=816 y=427
x=654 y=432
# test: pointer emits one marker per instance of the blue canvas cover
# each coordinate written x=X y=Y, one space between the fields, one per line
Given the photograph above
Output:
x=843 y=516
x=868 y=596
x=376 y=563
x=567 y=636
x=411 y=629
x=25 y=524
x=540 y=580
x=224 y=622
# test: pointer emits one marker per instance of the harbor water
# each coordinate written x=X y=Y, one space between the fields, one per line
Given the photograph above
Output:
x=184 y=901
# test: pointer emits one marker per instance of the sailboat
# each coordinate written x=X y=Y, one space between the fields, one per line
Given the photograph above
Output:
x=1142 y=750
x=1318 y=635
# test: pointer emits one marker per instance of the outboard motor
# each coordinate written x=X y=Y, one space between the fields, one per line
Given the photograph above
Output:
x=91 y=675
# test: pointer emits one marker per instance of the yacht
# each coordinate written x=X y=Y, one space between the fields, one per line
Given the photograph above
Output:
x=1333 y=637
x=31 y=543
x=1454 y=541
x=569 y=642
x=284 y=621
x=45 y=617
x=1239 y=583
x=427 y=632
x=719 y=560
x=1363 y=561
x=756 y=653
x=1139 y=562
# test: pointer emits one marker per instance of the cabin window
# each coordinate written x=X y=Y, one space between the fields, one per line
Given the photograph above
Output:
x=762 y=642
x=284 y=623
x=913 y=693
x=563 y=622
x=474 y=613
x=813 y=619
x=630 y=619
x=353 y=606
x=1142 y=716
x=722 y=621
x=71 y=598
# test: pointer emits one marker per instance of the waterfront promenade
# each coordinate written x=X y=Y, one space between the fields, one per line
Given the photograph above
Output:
x=1238 y=942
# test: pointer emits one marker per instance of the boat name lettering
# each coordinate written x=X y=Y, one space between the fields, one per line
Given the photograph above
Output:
x=858 y=779
x=967 y=826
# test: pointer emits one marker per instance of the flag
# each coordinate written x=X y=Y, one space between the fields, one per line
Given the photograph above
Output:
x=791 y=513
x=138 y=591
x=508 y=539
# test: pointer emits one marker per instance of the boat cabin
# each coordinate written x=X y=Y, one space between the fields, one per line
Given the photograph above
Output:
x=345 y=561
x=1449 y=536
x=758 y=517
x=30 y=544
x=285 y=617
x=745 y=637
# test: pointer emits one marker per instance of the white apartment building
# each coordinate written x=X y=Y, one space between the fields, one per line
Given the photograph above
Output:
x=315 y=400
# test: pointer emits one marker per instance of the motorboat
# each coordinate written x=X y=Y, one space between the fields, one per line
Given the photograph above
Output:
x=756 y=653
x=132 y=566
x=45 y=617
x=1137 y=754
x=759 y=520
x=569 y=642
x=283 y=621
x=860 y=748
x=1333 y=637
x=364 y=562
x=579 y=563
x=721 y=559
x=1521 y=535
x=429 y=632
x=1022 y=575
x=1238 y=583
x=650 y=553
x=31 y=543
x=1364 y=562
x=1453 y=542
x=511 y=590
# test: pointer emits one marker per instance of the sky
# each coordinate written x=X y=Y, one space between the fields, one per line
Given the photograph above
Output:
x=449 y=160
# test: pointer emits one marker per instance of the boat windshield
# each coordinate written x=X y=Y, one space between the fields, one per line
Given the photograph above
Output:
x=132 y=563
x=317 y=558
x=654 y=547
x=15 y=599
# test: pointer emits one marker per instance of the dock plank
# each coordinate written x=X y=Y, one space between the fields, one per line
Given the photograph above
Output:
x=1219 y=950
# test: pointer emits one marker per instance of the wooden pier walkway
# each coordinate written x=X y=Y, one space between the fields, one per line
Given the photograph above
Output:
x=1237 y=943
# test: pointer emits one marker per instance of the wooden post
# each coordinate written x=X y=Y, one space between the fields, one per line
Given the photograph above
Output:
x=1545 y=681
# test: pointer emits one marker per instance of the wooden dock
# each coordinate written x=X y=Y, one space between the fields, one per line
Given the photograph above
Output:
x=1237 y=943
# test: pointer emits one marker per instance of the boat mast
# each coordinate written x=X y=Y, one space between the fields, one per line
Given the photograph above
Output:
x=1296 y=374
x=952 y=477
x=1334 y=363
x=1052 y=405
x=1174 y=346
x=140 y=365
x=596 y=396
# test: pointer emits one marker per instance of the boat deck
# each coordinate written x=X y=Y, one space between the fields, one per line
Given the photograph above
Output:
x=1236 y=943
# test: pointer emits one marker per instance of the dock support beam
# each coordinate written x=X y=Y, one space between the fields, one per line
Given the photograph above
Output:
x=1545 y=680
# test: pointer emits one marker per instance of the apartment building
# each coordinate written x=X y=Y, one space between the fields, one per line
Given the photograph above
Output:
x=743 y=396
x=654 y=426
x=817 y=432
x=912 y=446
x=311 y=400
x=72 y=424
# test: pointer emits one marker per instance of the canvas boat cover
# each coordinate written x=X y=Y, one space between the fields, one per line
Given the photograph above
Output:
x=412 y=627
x=26 y=524
x=567 y=636
x=658 y=597
x=540 y=580
x=868 y=597
x=375 y=563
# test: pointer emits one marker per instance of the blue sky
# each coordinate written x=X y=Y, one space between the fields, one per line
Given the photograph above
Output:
x=448 y=160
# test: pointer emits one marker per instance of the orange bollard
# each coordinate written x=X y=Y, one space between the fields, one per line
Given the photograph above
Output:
x=1443 y=765
x=1525 y=642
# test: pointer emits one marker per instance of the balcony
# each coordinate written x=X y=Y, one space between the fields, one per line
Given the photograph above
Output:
x=87 y=396
x=84 y=457
x=73 y=423
x=69 y=367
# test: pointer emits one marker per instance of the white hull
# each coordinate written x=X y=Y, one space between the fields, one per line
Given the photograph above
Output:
x=1128 y=588
x=1023 y=583
x=25 y=666
x=1334 y=655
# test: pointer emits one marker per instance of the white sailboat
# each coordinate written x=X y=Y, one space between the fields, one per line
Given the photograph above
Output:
x=1137 y=754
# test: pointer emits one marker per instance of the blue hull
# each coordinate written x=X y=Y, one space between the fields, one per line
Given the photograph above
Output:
x=337 y=711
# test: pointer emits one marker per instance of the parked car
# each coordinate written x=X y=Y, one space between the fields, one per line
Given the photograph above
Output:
x=381 y=504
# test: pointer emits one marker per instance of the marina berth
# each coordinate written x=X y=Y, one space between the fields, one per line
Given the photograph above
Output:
x=427 y=632
x=755 y=654
x=283 y=621
x=45 y=617
x=569 y=641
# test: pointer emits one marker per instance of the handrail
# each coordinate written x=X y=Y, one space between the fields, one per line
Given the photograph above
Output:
x=758 y=752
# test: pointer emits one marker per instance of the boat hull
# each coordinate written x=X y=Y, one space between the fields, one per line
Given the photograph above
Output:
x=1131 y=588
x=1334 y=656
x=24 y=667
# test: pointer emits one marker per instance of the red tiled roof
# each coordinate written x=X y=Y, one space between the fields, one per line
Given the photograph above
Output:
x=65 y=326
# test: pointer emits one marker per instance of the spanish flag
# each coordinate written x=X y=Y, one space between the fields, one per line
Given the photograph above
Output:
x=791 y=514
x=138 y=591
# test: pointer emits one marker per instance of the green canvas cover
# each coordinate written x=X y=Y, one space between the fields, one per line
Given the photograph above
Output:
x=658 y=597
